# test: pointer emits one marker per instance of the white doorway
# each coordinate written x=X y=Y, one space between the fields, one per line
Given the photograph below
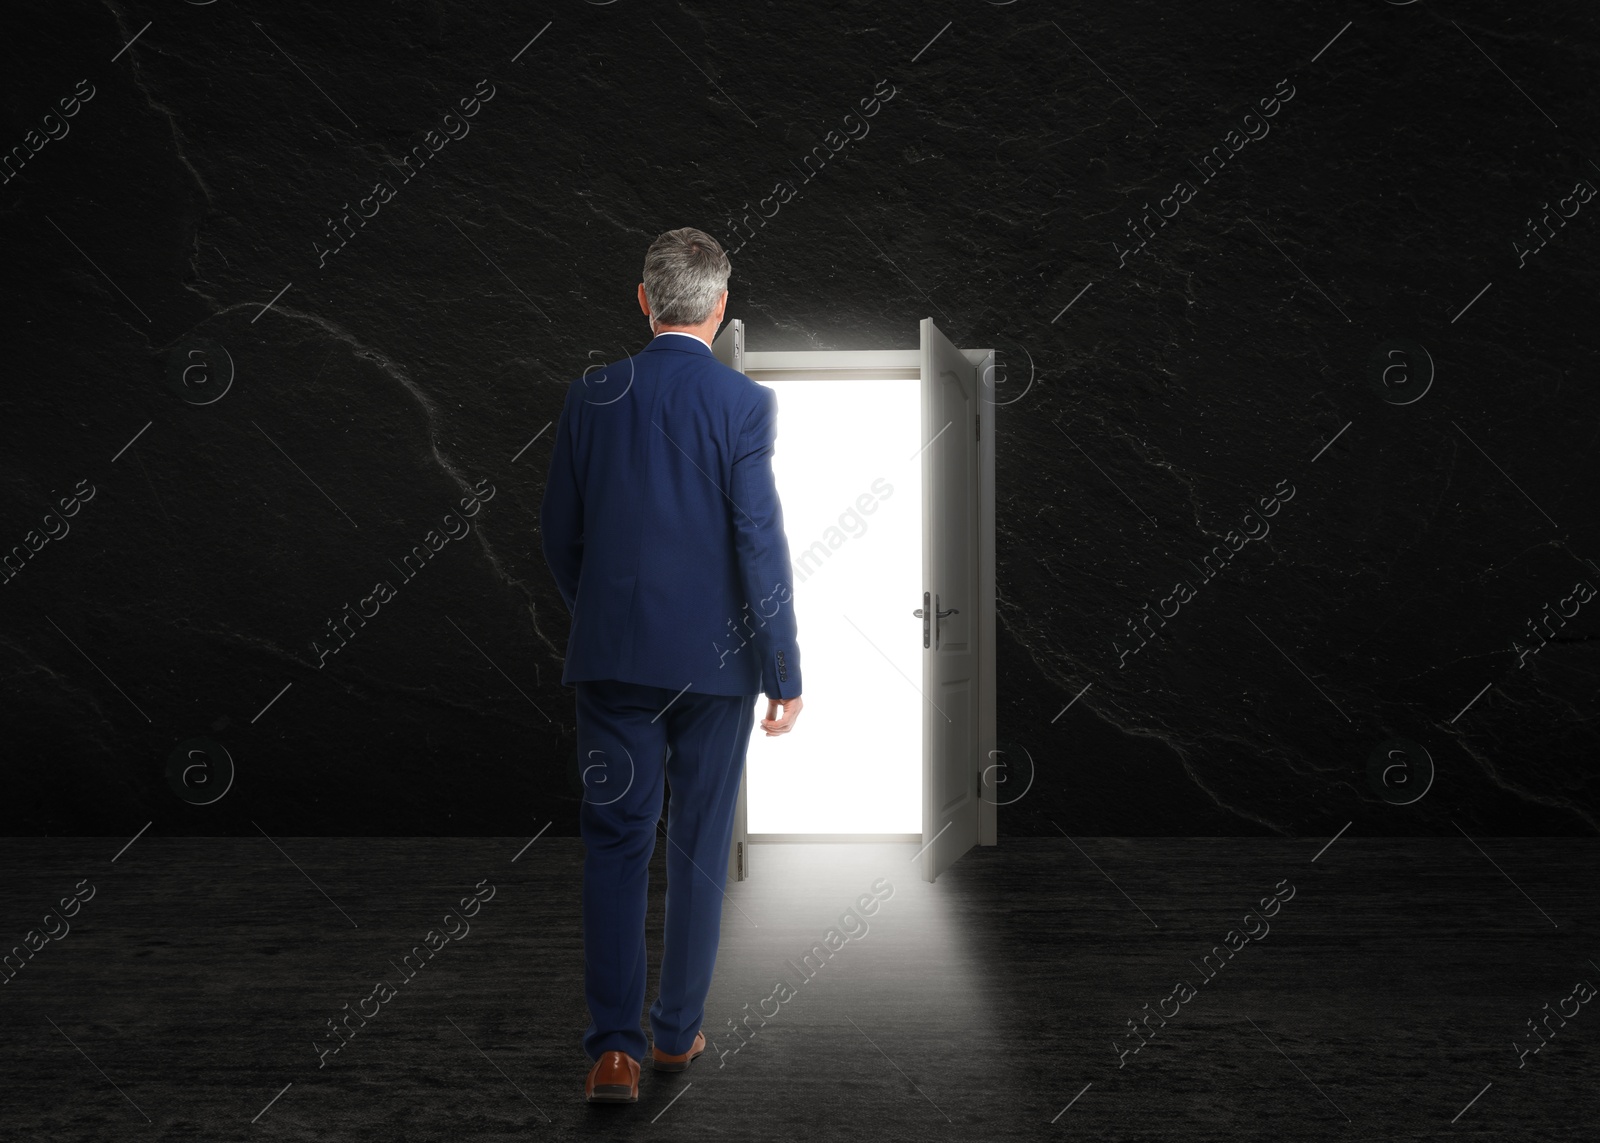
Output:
x=847 y=467
x=849 y=452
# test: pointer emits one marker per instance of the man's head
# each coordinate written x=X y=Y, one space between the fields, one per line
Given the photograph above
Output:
x=685 y=283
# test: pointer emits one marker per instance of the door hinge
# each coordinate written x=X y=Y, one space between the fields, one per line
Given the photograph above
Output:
x=740 y=844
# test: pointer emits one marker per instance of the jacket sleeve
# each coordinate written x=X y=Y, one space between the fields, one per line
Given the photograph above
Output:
x=561 y=512
x=762 y=550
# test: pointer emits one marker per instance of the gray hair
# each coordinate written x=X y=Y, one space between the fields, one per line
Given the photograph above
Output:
x=685 y=272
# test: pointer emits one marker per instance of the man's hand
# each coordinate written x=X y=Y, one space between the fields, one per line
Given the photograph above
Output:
x=774 y=725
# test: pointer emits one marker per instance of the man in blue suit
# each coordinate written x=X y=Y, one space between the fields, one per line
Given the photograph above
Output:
x=662 y=528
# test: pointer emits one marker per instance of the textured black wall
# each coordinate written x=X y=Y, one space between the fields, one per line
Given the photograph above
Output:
x=1378 y=308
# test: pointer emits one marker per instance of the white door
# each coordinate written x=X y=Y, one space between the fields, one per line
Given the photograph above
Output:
x=949 y=610
x=957 y=569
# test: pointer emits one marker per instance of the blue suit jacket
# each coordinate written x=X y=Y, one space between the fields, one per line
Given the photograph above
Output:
x=662 y=527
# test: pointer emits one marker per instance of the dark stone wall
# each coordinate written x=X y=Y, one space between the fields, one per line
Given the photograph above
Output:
x=1367 y=326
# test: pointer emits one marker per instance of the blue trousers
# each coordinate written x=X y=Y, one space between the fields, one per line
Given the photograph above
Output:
x=630 y=736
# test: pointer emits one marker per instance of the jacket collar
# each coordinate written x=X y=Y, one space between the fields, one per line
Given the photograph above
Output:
x=678 y=342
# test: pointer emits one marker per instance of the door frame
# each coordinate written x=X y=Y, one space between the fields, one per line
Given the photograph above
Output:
x=888 y=364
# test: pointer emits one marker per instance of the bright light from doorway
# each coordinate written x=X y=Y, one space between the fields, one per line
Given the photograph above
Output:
x=850 y=481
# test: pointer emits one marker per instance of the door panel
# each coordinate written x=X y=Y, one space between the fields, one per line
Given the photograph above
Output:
x=950 y=468
x=956 y=700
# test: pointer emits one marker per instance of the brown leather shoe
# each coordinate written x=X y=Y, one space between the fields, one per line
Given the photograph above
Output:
x=666 y=1063
x=613 y=1079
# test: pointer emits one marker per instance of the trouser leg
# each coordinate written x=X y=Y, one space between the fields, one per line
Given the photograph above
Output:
x=708 y=736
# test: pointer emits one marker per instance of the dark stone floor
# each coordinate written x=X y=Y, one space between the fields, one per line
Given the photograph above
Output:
x=1381 y=1000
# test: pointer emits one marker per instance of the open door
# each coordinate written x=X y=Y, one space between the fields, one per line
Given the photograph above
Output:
x=949 y=612
x=955 y=623
x=728 y=347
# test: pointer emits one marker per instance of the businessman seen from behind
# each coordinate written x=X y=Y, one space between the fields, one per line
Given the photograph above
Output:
x=662 y=528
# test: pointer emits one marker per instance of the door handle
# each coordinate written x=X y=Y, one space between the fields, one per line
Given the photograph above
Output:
x=922 y=613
